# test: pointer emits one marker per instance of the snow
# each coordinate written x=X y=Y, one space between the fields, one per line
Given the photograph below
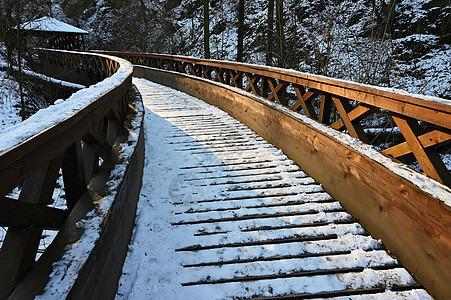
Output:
x=61 y=110
x=214 y=191
x=46 y=78
x=8 y=99
x=433 y=187
x=51 y=25
x=66 y=270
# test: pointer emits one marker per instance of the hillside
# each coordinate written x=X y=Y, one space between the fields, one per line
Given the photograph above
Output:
x=401 y=44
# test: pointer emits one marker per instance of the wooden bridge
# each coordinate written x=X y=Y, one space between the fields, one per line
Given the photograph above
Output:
x=244 y=219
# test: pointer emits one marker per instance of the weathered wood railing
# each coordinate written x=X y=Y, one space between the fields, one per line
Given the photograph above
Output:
x=425 y=122
x=81 y=138
x=408 y=211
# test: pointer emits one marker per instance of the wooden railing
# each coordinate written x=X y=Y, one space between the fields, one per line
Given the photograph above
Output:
x=74 y=145
x=424 y=122
x=409 y=212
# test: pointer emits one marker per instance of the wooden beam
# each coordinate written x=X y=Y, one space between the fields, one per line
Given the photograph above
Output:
x=429 y=159
x=357 y=114
x=20 y=245
x=306 y=97
x=97 y=137
x=23 y=214
x=430 y=139
x=354 y=128
x=252 y=80
x=305 y=101
x=193 y=71
x=219 y=74
x=73 y=174
x=275 y=89
x=325 y=109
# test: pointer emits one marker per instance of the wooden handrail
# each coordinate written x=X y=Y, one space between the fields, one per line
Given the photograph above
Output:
x=81 y=134
x=425 y=122
x=410 y=213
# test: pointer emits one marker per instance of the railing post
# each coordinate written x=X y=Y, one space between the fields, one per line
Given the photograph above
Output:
x=73 y=174
x=19 y=248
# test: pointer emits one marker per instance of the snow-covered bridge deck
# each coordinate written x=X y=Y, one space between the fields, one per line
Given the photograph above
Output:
x=224 y=214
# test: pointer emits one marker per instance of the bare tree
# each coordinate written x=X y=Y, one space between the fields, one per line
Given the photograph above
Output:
x=269 y=33
x=280 y=33
x=239 y=56
x=207 y=29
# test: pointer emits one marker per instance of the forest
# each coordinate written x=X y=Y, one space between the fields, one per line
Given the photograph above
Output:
x=403 y=44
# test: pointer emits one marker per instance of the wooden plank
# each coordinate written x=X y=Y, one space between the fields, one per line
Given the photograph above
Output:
x=22 y=214
x=430 y=139
x=325 y=109
x=252 y=80
x=73 y=174
x=354 y=128
x=97 y=137
x=193 y=71
x=112 y=130
x=413 y=224
x=275 y=89
x=305 y=101
x=357 y=114
x=20 y=244
x=90 y=160
x=429 y=159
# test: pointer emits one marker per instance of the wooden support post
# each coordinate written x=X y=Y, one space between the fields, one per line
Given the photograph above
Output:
x=325 y=109
x=237 y=78
x=20 y=245
x=90 y=160
x=428 y=158
x=73 y=174
x=227 y=77
x=112 y=130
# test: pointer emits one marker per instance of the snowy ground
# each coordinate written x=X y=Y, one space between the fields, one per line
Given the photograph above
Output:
x=223 y=214
x=8 y=99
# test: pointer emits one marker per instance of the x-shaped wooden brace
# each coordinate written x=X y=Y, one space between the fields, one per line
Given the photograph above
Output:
x=353 y=126
x=305 y=101
x=275 y=89
x=421 y=146
x=219 y=74
x=21 y=243
x=356 y=115
x=192 y=69
x=252 y=82
x=206 y=71
x=160 y=64
x=236 y=78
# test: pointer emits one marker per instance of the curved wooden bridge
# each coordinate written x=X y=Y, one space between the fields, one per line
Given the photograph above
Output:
x=223 y=213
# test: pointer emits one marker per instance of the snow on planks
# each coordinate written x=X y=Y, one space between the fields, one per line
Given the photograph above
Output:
x=224 y=214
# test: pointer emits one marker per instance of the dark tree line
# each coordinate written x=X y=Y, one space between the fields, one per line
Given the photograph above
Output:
x=345 y=39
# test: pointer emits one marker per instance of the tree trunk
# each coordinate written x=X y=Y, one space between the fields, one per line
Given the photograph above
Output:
x=240 y=50
x=280 y=34
x=269 y=33
x=207 y=28
x=19 y=63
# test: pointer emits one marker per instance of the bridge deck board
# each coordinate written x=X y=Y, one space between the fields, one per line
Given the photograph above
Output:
x=223 y=214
